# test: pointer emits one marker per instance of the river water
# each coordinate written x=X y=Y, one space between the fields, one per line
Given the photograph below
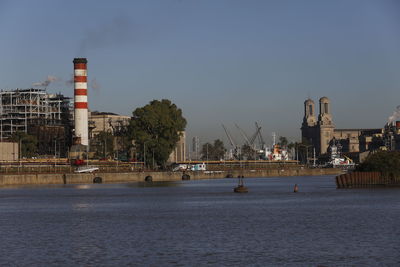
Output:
x=200 y=223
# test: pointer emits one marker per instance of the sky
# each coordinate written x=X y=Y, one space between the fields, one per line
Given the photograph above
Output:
x=230 y=62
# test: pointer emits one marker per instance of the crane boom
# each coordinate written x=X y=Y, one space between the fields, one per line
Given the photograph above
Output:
x=260 y=138
x=229 y=136
x=244 y=135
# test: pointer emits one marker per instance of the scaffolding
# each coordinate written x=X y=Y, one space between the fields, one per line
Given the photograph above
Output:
x=27 y=110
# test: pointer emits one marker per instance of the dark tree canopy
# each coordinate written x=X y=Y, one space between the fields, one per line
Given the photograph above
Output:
x=28 y=143
x=155 y=129
x=386 y=162
x=214 y=151
x=102 y=145
x=283 y=141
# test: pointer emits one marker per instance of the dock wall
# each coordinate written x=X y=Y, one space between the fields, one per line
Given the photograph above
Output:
x=126 y=177
x=365 y=179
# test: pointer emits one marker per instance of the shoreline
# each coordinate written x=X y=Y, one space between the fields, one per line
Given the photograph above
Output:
x=126 y=177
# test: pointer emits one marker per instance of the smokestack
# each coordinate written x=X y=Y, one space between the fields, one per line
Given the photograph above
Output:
x=80 y=101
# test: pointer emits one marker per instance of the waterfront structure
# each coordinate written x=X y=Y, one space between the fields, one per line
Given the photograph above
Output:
x=321 y=133
x=81 y=134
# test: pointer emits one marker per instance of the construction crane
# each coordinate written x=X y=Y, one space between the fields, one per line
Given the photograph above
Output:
x=249 y=141
x=236 y=149
x=260 y=138
x=246 y=138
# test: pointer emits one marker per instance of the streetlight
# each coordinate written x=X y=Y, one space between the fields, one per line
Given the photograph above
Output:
x=207 y=152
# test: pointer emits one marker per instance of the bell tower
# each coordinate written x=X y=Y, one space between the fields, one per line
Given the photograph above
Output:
x=309 y=118
x=308 y=127
x=325 y=125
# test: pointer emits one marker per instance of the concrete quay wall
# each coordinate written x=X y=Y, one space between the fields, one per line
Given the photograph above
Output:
x=126 y=177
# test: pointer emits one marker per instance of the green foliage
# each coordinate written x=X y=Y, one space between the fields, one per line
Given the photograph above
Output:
x=28 y=144
x=214 y=151
x=102 y=145
x=282 y=141
x=156 y=128
x=386 y=162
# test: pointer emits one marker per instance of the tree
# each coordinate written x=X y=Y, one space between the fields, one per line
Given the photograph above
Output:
x=282 y=141
x=28 y=144
x=385 y=162
x=214 y=151
x=103 y=144
x=155 y=129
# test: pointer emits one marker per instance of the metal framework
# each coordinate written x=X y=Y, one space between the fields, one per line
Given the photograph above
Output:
x=22 y=109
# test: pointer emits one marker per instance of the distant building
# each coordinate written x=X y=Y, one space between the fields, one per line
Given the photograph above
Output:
x=107 y=122
x=9 y=151
x=36 y=112
x=195 y=148
x=321 y=133
x=179 y=153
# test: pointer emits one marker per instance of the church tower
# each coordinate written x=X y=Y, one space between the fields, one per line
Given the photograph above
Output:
x=308 y=128
x=325 y=126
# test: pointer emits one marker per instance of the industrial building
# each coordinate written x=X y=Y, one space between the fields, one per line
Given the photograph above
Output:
x=36 y=112
x=107 y=122
x=179 y=153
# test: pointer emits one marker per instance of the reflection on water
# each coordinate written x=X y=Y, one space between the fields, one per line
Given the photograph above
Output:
x=197 y=223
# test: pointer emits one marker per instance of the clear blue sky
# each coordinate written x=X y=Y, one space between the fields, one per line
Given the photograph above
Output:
x=220 y=61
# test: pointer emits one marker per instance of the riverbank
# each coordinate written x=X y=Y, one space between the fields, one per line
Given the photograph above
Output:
x=126 y=177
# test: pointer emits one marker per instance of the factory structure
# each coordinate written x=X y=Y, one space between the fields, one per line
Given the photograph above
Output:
x=81 y=118
x=321 y=133
x=36 y=112
x=62 y=128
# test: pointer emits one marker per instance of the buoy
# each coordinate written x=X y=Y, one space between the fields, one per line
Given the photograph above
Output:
x=296 y=188
x=240 y=188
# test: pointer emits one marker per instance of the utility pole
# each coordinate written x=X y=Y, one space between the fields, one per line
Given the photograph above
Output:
x=314 y=155
x=144 y=154
x=55 y=154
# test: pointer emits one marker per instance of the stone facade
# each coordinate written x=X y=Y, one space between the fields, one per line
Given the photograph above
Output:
x=321 y=133
x=179 y=153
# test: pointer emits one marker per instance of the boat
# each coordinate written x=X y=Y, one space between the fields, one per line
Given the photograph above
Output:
x=86 y=169
x=338 y=160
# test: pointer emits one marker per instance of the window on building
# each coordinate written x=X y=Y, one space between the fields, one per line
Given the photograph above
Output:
x=310 y=107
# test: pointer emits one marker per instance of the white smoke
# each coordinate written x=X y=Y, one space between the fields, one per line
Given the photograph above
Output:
x=94 y=85
x=70 y=81
x=395 y=115
x=50 y=79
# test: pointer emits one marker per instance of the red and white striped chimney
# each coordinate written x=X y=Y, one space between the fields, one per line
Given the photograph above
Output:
x=80 y=101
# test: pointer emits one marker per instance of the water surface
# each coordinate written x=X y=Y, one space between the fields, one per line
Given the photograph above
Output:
x=200 y=223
